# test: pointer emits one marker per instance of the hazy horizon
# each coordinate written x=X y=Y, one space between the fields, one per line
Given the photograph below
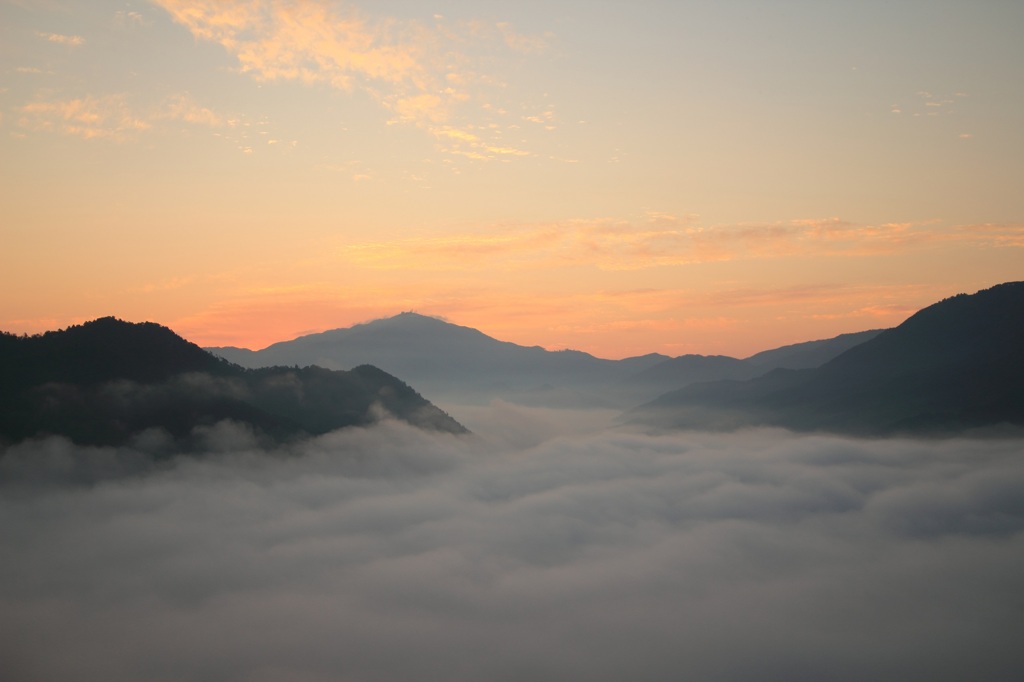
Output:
x=484 y=331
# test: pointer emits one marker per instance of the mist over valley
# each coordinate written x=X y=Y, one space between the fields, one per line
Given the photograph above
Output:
x=351 y=341
x=231 y=530
x=386 y=552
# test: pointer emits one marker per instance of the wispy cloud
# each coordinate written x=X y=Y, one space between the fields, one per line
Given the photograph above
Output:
x=115 y=117
x=889 y=303
x=86 y=117
x=469 y=144
x=183 y=107
x=520 y=42
x=610 y=321
x=996 y=234
x=127 y=19
x=662 y=240
x=928 y=105
x=421 y=74
x=597 y=286
x=307 y=41
x=883 y=312
x=70 y=41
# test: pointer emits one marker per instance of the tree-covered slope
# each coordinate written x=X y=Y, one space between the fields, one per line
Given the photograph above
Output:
x=955 y=365
x=108 y=381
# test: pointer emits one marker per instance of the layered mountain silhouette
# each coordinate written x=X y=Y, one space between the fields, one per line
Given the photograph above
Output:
x=462 y=365
x=809 y=354
x=108 y=381
x=955 y=365
x=459 y=364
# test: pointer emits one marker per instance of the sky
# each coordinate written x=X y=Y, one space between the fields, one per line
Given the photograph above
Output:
x=615 y=177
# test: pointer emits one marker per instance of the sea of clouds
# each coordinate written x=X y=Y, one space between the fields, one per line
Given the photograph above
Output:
x=528 y=551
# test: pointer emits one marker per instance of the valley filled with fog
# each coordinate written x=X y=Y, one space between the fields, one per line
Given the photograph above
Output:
x=547 y=545
x=569 y=341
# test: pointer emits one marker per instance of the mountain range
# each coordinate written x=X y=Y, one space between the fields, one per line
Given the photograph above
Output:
x=459 y=365
x=109 y=382
x=953 y=366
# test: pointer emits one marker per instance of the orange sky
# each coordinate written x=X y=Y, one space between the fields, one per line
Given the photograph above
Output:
x=621 y=178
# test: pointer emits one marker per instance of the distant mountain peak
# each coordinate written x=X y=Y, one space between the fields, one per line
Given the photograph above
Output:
x=464 y=365
x=404 y=320
x=413 y=315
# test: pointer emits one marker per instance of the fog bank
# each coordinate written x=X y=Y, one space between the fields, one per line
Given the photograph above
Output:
x=391 y=554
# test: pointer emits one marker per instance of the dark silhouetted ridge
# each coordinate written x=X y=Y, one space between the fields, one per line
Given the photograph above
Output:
x=103 y=350
x=955 y=365
x=107 y=381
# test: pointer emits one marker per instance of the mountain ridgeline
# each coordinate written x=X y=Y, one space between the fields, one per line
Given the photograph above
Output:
x=110 y=382
x=460 y=365
x=953 y=366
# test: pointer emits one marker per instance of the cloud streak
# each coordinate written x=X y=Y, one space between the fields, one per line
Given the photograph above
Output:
x=381 y=553
x=665 y=240
x=61 y=39
x=108 y=117
x=116 y=117
x=669 y=319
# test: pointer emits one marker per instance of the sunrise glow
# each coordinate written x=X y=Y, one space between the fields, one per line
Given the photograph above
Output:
x=620 y=178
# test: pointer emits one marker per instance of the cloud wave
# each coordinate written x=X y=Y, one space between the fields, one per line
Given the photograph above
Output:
x=382 y=554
